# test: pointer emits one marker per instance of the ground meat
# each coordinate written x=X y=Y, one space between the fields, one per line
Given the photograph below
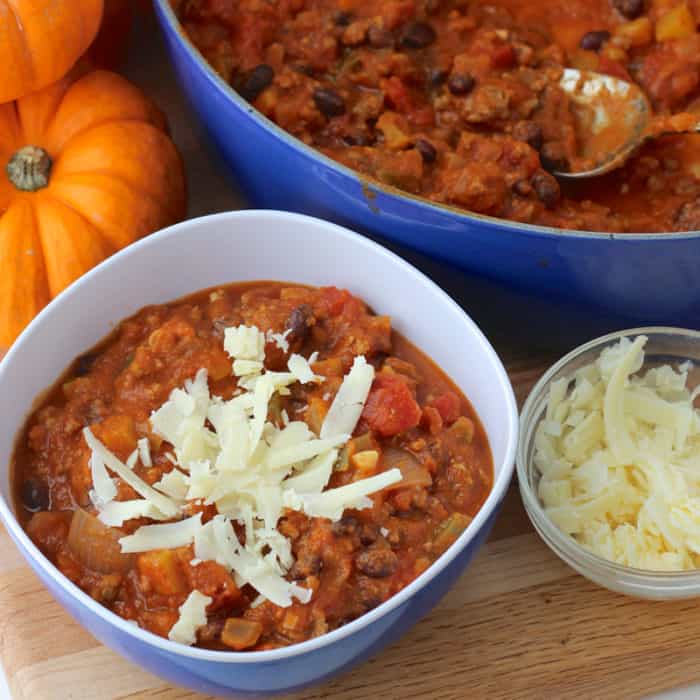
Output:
x=377 y=562
x=687 y=217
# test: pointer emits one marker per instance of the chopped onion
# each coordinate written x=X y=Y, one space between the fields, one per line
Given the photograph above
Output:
x=95 y=545
x=412 y=471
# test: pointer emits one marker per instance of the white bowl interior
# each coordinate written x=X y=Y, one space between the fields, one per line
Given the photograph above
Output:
x=255 y=245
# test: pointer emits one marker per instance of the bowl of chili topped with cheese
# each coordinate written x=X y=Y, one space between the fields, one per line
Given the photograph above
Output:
x=260 y=466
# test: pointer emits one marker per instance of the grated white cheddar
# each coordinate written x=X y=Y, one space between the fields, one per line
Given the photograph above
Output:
x=279 y=339
x=619 y=456
x=166 y=536
x=245 y=343
x=300 y=367
x=348 y=403
x=164 y=504
x=104 y=489
x=174 y=484
x=144 y=448
x=331 y=503
x=116 y=513
x=193 y=616
x=230 y=453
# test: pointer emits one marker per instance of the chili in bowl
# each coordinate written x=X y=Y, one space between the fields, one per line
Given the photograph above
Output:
x=261 y=474
x=587 y=260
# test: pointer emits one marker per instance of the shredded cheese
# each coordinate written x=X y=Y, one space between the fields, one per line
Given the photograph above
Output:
x=348 y=403
x=164 y=504
x=245 y=343
x=618 y=452
x=231 y=454
x=166 y=536
x=279 y=339
x=193 y=616
x=104 y=489
x=144 y=448
x=116 y=513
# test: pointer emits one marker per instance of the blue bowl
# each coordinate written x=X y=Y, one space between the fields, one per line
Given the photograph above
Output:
x=240 y=246
x=647 y=278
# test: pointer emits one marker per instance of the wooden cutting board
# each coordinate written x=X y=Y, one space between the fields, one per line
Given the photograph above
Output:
x=519 y=624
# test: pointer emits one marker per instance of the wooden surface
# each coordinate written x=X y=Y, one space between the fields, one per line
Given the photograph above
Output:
x=519 y=624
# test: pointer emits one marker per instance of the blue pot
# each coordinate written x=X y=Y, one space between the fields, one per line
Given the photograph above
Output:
x=648 y=278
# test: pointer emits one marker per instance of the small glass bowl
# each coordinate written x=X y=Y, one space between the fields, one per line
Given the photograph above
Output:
x=664 y=346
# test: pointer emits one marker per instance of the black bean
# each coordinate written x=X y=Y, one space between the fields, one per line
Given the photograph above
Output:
x=377 y=563
x=307 y=564
x=329 y=102
x=358 y=138
x=461 y=83
x=304 y=70
x=529 y=132
x=546 y=188
x=379 y=38
x=427 y=150
x=34 y=496
x=298 y=323
x=342 y=19
x=631 y=9
x=255 y=81
x=417 y=35
x=347 y=525
x=369 y=532
x=687 y=217
x=436 y=77
x=522 y=187
x=553 y=157
x=593 y=41
x=84 y=364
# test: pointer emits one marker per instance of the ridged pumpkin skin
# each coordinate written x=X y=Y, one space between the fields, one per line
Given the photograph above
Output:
x=115 y=177
x=41 y=40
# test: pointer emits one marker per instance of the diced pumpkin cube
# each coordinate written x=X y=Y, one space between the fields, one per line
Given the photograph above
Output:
x=118 y=434
x=161 y=568
x=365 y=463
x=332 y=367
x=638 y=32
x=679 y=23
x=394 y=128
x=316 y=413
x=584 y=60
x=615 y=54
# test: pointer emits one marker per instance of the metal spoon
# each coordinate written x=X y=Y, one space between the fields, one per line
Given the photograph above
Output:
x=613 y=119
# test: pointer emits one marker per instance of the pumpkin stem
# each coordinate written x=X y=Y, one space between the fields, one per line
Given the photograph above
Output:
x=29 y=169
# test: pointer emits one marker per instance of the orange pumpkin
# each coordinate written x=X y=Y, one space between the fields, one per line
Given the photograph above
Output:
x=88 y=168
x=40 y=41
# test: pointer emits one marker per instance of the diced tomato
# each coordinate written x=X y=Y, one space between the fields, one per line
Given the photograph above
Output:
x=391 y=408
x=448 y=406
x=333 y=300
x=214 y=581
x=432 y=420
x=397 y=94
x=610 y=67
x=503 y=56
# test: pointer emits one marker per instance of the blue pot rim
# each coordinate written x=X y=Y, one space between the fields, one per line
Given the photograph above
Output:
x=491 y=506
x=300 y=147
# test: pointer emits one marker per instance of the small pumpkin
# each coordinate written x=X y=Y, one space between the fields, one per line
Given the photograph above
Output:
x=86 y=168
x=41 y=40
